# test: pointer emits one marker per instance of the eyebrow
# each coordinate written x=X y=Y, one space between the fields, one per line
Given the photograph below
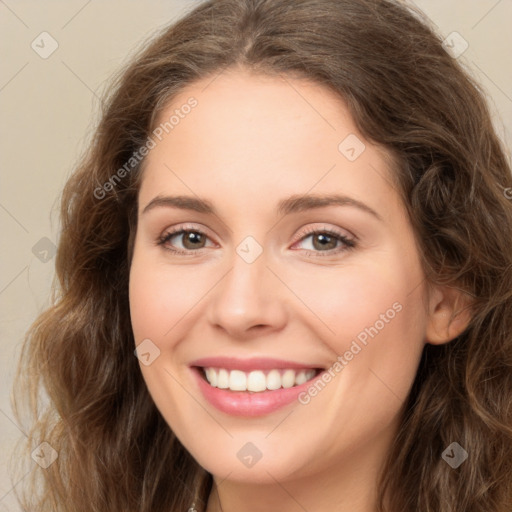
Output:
x=292 y=204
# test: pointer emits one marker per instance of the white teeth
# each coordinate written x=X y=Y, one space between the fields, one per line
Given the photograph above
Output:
x=222 y=379
x=273 y=380
x=288 y=379
x=237 y=380
x=257 y=380
x=211 y=375
x=300 y=378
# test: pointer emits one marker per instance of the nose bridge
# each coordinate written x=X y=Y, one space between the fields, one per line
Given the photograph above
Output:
x=249 y=294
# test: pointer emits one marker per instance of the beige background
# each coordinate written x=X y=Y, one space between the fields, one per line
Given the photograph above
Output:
x=48 y=107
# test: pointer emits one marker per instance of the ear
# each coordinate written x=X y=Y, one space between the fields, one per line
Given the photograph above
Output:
x=449 y=314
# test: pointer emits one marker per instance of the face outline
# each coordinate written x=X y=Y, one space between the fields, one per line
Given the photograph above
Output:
x=250 y=142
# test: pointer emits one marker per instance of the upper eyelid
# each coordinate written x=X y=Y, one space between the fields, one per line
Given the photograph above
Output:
x=303 y=231
x=341 y=232
x=186 y=227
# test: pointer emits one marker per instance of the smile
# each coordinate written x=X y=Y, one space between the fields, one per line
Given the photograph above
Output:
x=251 y=387
x=257 y=381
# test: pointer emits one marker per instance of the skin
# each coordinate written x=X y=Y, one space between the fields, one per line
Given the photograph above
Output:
x=251 y=141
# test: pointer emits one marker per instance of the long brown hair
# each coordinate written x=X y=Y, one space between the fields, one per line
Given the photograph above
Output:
x=405 y=92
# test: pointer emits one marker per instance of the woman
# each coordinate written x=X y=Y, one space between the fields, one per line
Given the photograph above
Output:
x=296 y=214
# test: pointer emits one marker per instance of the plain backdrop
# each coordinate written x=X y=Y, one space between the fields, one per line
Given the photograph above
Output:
x=48 y=109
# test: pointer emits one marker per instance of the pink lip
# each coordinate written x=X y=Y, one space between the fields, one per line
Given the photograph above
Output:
x=246 y=403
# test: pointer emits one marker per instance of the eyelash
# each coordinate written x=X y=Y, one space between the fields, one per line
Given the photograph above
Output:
x=349 y=243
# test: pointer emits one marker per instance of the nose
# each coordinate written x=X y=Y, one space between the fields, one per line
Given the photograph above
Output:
x=248 y=301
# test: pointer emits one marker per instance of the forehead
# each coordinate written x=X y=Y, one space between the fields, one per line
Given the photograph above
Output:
x=239 y=106
x=250 y=137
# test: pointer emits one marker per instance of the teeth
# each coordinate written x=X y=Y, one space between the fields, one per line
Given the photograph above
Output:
x=211 y=376
x=273 y=380
x=222 y=379
x=257 y=380
x=288 y=379
x=237 y=381
x=300 y=378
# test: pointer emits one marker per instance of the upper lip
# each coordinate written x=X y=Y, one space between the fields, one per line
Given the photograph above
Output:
x=247 y=365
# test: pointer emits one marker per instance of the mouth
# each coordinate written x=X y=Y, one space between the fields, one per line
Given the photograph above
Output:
x=257 y=381
x=252 y=387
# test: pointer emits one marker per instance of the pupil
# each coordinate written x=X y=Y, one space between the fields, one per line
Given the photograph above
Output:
x=193 y=238
x=323 y=238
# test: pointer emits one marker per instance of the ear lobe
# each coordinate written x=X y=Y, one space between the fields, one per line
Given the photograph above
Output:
x=450 y=312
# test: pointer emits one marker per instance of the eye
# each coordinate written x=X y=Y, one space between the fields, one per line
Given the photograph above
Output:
x=326 y=242
x=191 y=239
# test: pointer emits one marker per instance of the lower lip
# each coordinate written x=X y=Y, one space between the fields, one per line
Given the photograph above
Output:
x=246 y=403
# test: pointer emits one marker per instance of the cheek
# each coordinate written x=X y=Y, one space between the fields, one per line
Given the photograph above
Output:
x=146 y=307
x=372 y=316
x=160 y=295
x=349 y=300
x=376 y=325
x=160 y=298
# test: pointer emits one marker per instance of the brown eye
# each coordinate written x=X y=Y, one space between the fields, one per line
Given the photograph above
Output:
x=183 y=241
x=322 y=241
x=193 y=239
x=325 y=242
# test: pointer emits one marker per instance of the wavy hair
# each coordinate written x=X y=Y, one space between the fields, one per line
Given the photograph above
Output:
x=78 y=377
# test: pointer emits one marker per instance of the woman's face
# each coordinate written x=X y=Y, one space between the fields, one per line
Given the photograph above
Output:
x=299 y=259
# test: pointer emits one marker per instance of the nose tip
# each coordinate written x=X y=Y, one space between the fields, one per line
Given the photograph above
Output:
x=247 y=300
